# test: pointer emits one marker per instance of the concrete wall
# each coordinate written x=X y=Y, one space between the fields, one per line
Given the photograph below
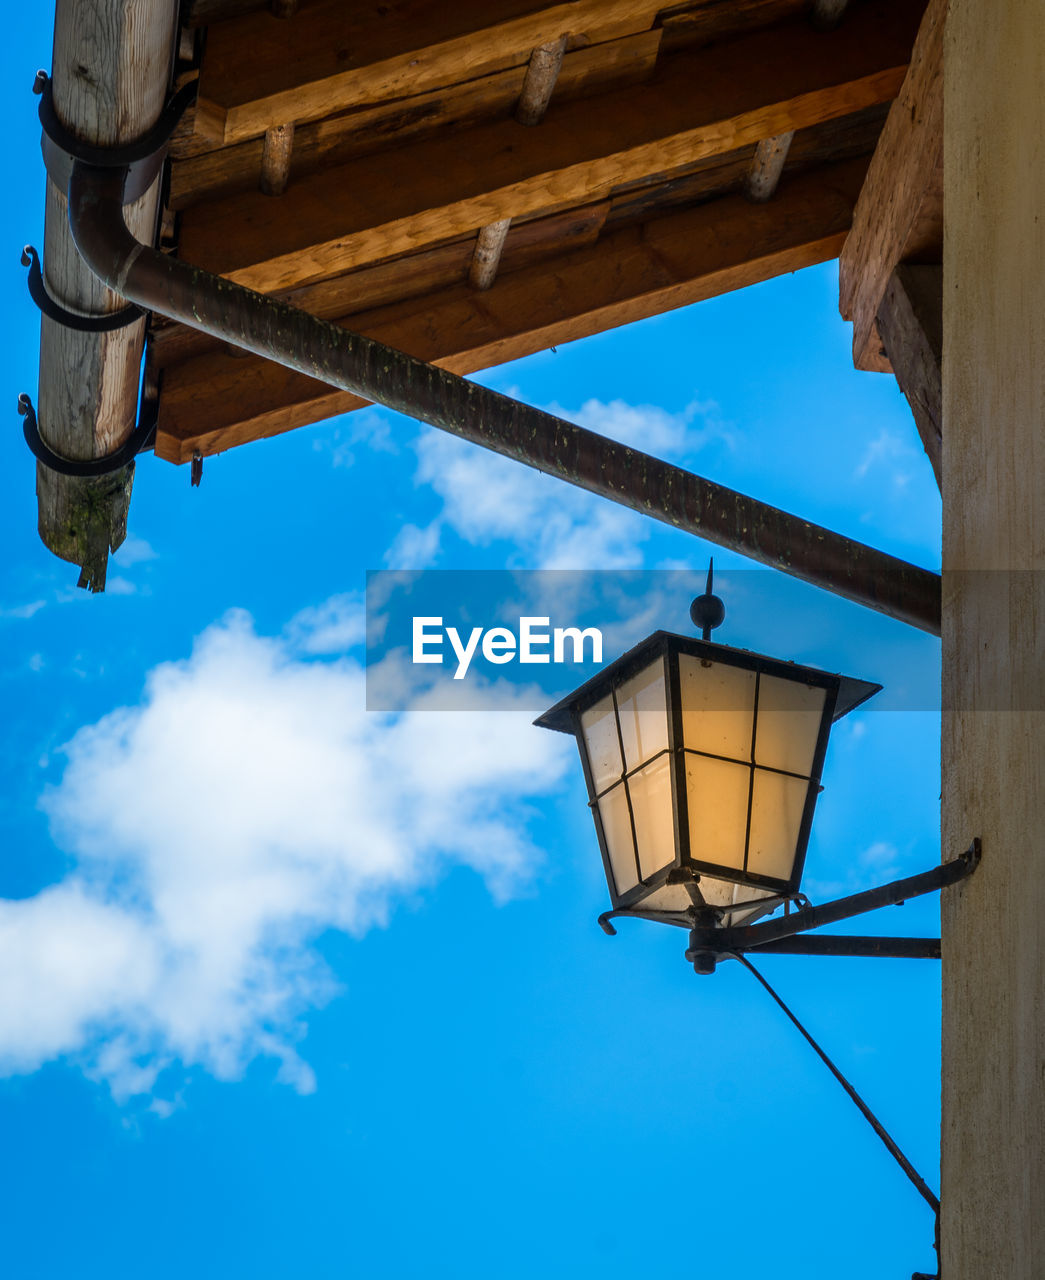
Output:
x=993 y=1177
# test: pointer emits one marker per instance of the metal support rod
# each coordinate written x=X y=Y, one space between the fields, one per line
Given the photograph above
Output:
x=916 y=1178
x=370 y=369
x=747 y=937
x=837 y=944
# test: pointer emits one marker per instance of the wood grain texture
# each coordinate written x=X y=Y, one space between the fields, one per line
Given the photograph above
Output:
x=111 y=66
x=695 y=106
x=902 y=195
x=200 y=171
x=635 y=272
x=403 y=278
x=767 y=166
x=542 y=72
x=334 y=56
x=709 y=21
x=910 y=322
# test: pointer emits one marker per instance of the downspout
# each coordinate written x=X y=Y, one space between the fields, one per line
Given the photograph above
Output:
x=369 y=369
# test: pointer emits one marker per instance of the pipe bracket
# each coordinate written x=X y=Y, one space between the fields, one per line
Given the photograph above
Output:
x=71 y=319
x=140 y=438
x=143 y=158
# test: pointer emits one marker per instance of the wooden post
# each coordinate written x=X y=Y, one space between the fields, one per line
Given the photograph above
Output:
x=110 y=78
x=275 y=159
x=827 y=14
x=541 y=74
x=993 y=1082
x=767 y=166
x=487 y=258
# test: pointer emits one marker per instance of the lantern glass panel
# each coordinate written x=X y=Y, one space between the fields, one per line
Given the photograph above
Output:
x=599 y=726
x=789 y=719
x=748 y=895
x=651 y=806
x=616 y=827
x=777 y=805
x=669 y=897
x=718 y=704
x=726 y=893
x=717 y=797
x=643 y=709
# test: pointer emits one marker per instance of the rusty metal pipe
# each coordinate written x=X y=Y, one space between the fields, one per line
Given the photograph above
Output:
x=392 y=378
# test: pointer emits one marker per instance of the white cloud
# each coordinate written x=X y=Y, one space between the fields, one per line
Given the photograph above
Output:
x=486 y=497
x=335 y=627
x=22 y=611
x=368 y=427
x=879 y=863
x=246 y=805
x=893 y=453
x=133 y=550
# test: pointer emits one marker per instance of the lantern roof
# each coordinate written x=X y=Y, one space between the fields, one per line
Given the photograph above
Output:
x=851 y=692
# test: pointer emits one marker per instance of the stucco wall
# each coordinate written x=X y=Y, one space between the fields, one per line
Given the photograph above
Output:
x=993 y=1177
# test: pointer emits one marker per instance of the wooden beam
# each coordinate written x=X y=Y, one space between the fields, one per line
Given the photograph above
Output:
x=109 y=80
x=910 y=321
x=487 y=258
x=275 y=159
x=334 y=57
x=825 y=15
x=538 y=87
x=898 y=209
x=201 y=172
x=400 y=279
x=215 y=402
x=767 y=166
x=698 y=106
x=535 y=240
x=690 y=23
x=542 y=72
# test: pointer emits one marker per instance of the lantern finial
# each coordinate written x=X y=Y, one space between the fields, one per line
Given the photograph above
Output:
x=707 y=611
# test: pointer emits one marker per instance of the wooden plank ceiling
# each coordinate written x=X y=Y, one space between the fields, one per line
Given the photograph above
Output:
x=366 y=161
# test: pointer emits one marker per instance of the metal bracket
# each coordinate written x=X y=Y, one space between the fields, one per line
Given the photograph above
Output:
x=70 y=319
x=143 y=158
x=142 y=436
x=711 y=942
x=708 y=945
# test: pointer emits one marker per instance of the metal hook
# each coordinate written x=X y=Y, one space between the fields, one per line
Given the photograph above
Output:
x=70 y=319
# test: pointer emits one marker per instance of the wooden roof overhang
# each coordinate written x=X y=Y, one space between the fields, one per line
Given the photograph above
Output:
x=414 y=207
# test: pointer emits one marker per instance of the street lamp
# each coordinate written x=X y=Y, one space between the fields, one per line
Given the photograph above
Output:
x=703 y=766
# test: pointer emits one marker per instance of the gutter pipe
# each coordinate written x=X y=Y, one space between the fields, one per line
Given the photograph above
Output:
x=354 y=363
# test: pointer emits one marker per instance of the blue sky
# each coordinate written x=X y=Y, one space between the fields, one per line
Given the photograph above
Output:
x=290 y=988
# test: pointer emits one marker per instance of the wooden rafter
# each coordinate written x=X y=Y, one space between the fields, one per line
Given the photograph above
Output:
x=697 y=106
x=215 y=401
x=202 y=171
x=333 y=57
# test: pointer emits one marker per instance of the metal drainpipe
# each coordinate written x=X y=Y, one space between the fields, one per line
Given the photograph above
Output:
x=389 y=377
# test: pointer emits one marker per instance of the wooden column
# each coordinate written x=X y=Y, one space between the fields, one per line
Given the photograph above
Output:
x=993 y=1135
x=110 y=77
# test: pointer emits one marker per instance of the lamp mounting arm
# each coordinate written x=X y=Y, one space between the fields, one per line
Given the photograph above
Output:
x=762 y=936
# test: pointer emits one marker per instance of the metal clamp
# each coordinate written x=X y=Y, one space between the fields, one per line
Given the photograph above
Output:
x=70 y=319
x=143 y=158
x=139 y=439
